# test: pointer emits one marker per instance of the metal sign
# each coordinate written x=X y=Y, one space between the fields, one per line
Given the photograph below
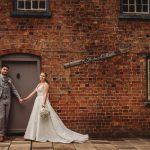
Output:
x=96 y=58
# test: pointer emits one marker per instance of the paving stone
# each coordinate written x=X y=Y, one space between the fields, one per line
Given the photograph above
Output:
x=60 y=146
x=146 y=141
x=41 y=145
x=20 y=147
x=134 y=141
x=122 y=144
x=4 y=148
x=21 y=142
x=104 y=147
x=100 y=141
x=84 y=146
x=42 y=149
x=4 y=145
x=127 y=149
x=139 y=144
x=143 y=147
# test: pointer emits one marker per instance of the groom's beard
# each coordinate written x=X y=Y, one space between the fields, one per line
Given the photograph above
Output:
x=4 y=74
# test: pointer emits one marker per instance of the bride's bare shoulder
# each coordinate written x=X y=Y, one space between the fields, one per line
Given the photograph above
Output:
x=46 y=84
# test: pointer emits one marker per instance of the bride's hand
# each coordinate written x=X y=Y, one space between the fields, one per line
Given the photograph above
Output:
x=21 y=100
x=43 y=106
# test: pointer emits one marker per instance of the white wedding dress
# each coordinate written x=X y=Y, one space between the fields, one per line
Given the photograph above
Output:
x=51 y=129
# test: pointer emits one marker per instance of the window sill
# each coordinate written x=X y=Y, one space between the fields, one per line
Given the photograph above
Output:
x=46 y=14
x=134 y=17
x=147 y=104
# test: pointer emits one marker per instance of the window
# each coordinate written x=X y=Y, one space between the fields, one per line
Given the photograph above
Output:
x=38 y=5
x=135 y=8
x=31 y=8
x=147 y=103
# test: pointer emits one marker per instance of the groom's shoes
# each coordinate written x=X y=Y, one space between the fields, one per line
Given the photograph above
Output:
x=1 y=138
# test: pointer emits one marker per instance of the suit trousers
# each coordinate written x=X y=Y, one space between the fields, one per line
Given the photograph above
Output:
x=4 y=113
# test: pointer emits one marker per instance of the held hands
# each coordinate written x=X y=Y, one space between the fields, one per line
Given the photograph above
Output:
x=22 y=100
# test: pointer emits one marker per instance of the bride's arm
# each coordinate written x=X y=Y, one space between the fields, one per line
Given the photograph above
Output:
x=46 y=89
x=31 y=94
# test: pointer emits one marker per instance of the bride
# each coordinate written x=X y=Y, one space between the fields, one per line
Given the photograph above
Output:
x=51 y=128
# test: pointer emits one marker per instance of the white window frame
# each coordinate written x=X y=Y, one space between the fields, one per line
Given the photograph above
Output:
x=31 y=9
x=135 y=12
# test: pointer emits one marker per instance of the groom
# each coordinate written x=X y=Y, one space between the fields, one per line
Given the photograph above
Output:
x=6 y=87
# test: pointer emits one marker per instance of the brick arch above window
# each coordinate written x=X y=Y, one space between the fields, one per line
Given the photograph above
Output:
x=31 y=8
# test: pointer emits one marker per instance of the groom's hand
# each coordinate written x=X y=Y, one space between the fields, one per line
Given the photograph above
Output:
x=20 y=101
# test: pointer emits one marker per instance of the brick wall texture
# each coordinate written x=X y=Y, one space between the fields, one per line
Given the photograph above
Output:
x=104 y=98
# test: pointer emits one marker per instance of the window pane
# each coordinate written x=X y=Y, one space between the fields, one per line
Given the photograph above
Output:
x=131 y=1
x=125 y=8
x=125 y=1
x=42 y=4
x=131 y=8
x=139 y=8
x=28 y=4
x=139 y=2
x=145 y=8
x=35 y=4
x=134 y=6
x=21 y=4
x=145 y=1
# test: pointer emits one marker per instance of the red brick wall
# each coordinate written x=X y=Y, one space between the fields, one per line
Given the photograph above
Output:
x=104 y=98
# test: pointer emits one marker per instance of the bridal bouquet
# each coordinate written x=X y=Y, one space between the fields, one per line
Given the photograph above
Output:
x=44 y=113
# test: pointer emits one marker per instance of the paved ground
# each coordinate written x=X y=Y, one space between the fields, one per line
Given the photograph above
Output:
x=111 y=144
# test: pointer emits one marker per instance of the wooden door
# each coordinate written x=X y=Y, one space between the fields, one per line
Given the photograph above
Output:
x=25 y=76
